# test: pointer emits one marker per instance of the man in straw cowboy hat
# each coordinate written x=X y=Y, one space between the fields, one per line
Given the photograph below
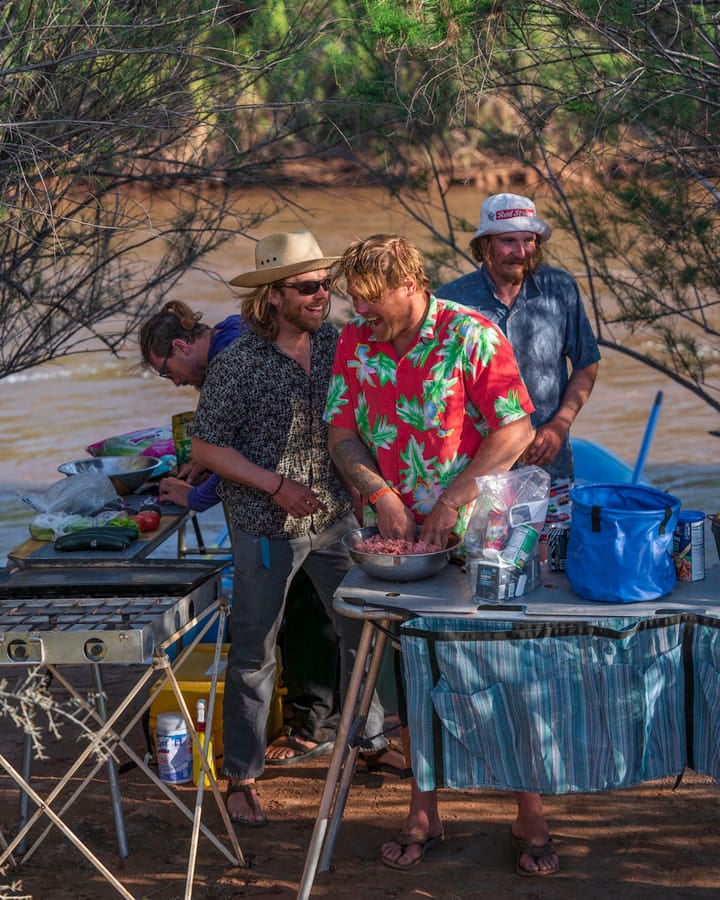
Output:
x=540 y=309
x=178 y=346
x=259 y=426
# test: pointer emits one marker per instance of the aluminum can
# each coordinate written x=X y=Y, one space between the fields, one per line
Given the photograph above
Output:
x=557 y=544
x=689 y=545
x=520 y=545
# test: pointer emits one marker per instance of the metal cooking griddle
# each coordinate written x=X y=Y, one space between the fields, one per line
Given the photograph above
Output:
x=109 y=615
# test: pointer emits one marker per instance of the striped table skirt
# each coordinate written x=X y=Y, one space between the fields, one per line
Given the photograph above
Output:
x=561 y=707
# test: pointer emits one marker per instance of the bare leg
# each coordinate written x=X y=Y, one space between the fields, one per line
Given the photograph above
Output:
x=422 y=823
x=530 y=825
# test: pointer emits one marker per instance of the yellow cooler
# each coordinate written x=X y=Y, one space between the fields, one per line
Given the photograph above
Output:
x=194 y=676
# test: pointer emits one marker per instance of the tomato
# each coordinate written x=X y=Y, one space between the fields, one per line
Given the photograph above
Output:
x=152 y=517
x=141 y=524
x=146 y=520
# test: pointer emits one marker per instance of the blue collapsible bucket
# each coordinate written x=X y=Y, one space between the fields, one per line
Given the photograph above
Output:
x=620 y=543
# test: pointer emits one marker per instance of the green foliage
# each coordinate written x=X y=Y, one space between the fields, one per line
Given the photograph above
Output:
x=612 y=105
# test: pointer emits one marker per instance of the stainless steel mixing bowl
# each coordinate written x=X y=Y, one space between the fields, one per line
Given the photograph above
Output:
x=127 y=473
x=391 y=567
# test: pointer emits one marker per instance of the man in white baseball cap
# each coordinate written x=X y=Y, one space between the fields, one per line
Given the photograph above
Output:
x=540 y=309
x=504 y=213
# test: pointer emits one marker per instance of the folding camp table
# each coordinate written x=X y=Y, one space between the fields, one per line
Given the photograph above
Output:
x=382 y=603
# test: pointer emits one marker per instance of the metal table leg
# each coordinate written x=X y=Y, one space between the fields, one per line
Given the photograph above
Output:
x=24 y=800
x=112 y=772
x=343 y=761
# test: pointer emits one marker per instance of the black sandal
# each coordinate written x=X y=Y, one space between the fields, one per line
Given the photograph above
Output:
x=249 y=791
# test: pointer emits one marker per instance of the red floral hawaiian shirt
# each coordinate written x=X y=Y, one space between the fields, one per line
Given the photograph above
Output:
x=423 y=416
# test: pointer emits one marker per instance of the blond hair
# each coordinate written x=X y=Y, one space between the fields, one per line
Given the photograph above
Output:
x=379 y=263
x=258 y=312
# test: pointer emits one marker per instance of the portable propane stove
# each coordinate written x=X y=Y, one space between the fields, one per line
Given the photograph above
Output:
x=108 y=614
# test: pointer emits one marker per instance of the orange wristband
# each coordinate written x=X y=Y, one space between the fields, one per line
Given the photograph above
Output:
x=373 y=498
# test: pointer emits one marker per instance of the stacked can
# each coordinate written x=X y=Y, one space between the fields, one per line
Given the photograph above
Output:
x=689 y=545
x=557 y=543
x=519 y=546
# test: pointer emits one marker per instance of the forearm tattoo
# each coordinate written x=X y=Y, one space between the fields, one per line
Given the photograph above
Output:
x=356 y=462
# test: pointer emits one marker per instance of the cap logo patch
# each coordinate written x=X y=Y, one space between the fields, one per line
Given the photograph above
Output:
x=512 y=213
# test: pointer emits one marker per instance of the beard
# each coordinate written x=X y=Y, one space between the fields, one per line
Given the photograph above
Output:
x=298 y=317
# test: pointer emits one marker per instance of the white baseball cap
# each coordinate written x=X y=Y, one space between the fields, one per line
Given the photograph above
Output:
x=501 y=213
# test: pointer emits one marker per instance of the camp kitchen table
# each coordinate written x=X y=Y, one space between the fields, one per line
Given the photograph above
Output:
x=173 y=521
x=380 y=603
x=108 y=608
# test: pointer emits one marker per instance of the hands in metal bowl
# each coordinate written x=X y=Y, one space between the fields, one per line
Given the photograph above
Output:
x=397 y=567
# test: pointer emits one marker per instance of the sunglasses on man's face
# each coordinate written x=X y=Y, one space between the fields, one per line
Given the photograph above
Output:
x=162 y=371
x=308 y=288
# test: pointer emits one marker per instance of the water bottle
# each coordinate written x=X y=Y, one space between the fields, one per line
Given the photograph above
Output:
x=203 y=736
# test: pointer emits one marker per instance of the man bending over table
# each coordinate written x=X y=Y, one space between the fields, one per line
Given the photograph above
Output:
x=425 y=396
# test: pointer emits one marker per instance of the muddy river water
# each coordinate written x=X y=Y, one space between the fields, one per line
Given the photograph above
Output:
x=50 y=414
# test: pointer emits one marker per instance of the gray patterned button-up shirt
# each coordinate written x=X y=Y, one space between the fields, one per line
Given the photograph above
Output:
x=261 y=402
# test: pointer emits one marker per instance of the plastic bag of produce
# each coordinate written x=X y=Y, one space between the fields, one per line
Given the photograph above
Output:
x=49 y=526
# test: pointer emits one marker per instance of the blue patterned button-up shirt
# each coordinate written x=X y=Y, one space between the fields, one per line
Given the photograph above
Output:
x=548 y=329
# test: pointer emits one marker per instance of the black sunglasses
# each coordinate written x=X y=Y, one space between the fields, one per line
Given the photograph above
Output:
x=162 y=371
x=308 y=288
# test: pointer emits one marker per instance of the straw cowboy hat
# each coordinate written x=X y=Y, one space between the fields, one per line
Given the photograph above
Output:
x=502 y=213
x=279 y=256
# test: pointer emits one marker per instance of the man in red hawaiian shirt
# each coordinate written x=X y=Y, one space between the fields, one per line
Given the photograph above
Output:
x=425 y=396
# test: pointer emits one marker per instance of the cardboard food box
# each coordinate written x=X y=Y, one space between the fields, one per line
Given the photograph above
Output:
x=497 y=581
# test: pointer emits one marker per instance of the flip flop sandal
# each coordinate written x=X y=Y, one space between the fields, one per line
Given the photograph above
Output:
x=537 y=851
x=373 y=761
x=249 y=791
x=302 y=753
x=413 y=840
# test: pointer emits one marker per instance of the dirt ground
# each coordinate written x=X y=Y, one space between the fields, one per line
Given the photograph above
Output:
x=651 y=841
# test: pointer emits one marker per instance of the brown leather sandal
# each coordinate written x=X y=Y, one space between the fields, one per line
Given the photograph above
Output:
x=373 y=760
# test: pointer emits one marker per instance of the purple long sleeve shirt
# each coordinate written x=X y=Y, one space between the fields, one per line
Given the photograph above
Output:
x=205 y=494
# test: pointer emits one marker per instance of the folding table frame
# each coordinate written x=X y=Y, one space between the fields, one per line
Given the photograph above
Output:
x=107 y=735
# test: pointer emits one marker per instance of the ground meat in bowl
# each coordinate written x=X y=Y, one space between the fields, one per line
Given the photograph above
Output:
x=395 y=547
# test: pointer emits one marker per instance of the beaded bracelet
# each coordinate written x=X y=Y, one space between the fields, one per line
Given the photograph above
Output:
x=277 y=489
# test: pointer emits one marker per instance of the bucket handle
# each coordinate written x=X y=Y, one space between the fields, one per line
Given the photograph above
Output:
x=595 y=519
